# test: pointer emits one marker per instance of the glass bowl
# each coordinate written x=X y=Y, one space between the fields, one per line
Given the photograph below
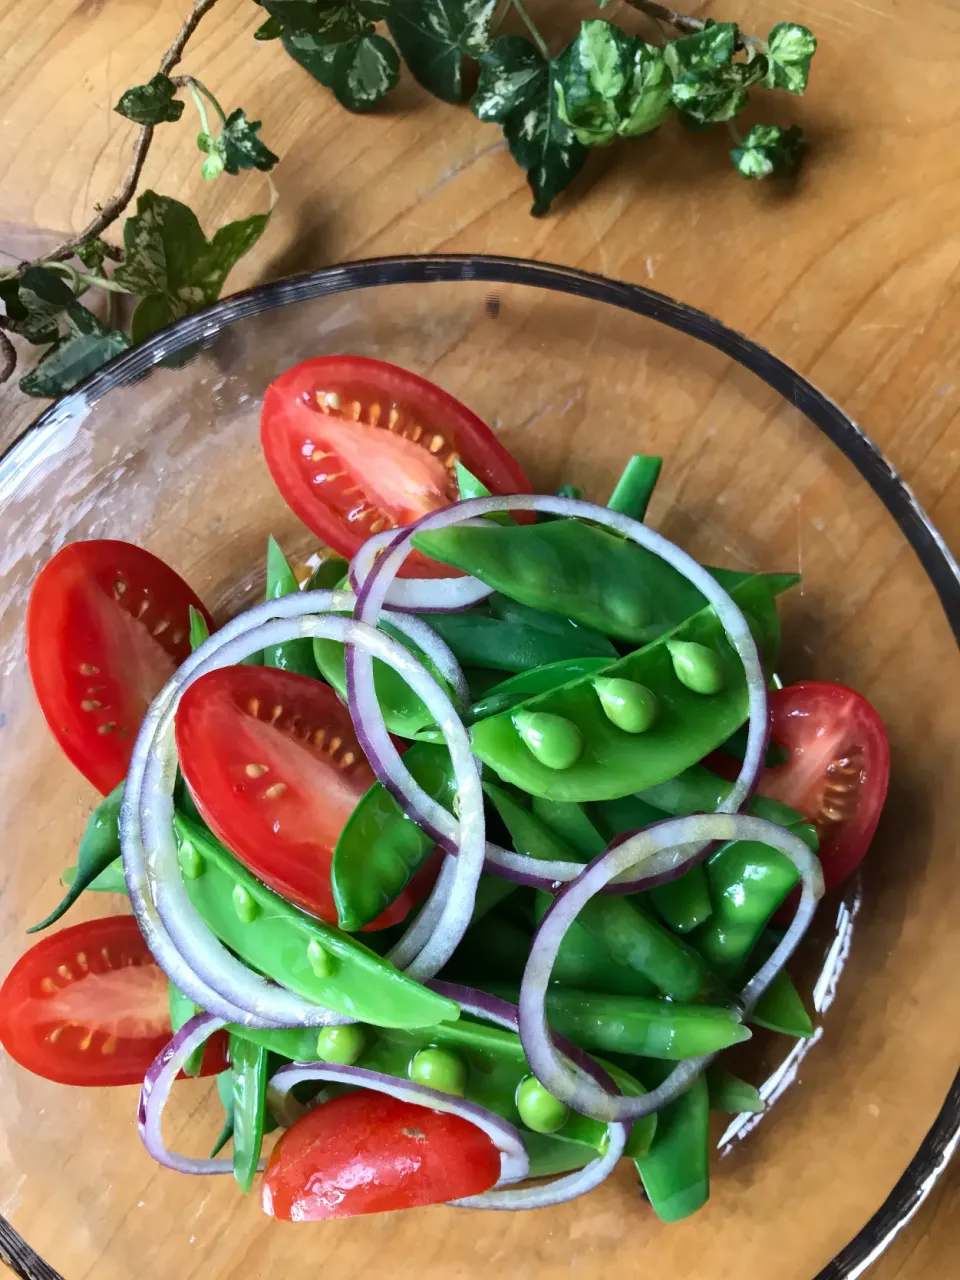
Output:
x=762 y=472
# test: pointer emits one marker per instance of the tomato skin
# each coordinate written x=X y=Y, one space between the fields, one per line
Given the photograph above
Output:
x=274 y=766
x=107 y=625
x=102 y=973
x=838 y=771
x=345 y=490
x=367 y=1152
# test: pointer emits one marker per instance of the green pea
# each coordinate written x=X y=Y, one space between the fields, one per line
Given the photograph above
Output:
x=632 y=707
x=555 y=741
x=540 y=1110
x=696 y=666
x=342 y=1045
x=191 y=863
x=244 y=904
x=323 y=964
x=439 y=1069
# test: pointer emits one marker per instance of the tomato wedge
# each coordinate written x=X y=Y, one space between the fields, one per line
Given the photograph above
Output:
x=273 y=763
x=838 y=769
x=89 y=1005
x=107 y=625
x=366 y=1152
x=356 y=446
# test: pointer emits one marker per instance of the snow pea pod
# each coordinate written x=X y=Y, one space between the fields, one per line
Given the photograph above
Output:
x=329 y=573
x=110 y=879
x=493 y=1067
x=225 y=1094
x=99 y=847
x=578 y=571
x=635 y=487
x=570 y=822
x=380 y=848
x=493 y=950
x=249 y=1078
x=729 y=1093
x=612 y=762
x=293 y=948
x=481 y=640
x=781 y=1008
x=636 y=1025
x=181 y=1011
x=676 y=1170
x=292 y=655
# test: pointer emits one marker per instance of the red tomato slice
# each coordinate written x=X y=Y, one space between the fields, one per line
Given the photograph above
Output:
x=356 y=446
x=89 y=1005
x=366 y=1152
x=273 y=763
x=838 y=769
x=107 y=625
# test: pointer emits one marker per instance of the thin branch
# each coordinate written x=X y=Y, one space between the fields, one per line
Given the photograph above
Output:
x=114 y=207
x=521 y=11
x=689 y=25
x=8 y=358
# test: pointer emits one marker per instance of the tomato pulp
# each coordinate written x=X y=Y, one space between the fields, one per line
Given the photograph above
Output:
x=107 y=625
x=356 y=446
x=273 y=763
x=367 y=1152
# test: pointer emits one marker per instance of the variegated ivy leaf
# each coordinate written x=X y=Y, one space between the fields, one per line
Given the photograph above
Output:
x=610 y=84
x=767 y=149
x=433 y=37
x=235 y=147
x=328 y=21
x=790 y=48
x=81 y=343
x=708 y=97
x=151 y=103
x=712 y=47
x=518 y=90
x=360 y=72
x=172 y=265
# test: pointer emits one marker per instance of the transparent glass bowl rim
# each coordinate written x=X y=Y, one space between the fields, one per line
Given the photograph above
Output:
x=941 y=568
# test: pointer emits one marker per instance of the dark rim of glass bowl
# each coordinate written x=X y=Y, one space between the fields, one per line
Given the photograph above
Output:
x=941 y=568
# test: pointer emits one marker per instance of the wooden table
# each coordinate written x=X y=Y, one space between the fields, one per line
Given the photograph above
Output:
x=851 y=274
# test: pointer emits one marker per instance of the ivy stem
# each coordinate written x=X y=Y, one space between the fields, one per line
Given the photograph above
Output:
x=689 y=25
x=84 y=280
x=193 y=85
x=521 y=10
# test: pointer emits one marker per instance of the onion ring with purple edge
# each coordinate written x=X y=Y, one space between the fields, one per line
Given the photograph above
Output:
x=417 y=595
x=574 y=1087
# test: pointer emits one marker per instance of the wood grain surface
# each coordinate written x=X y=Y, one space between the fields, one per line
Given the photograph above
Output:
x=851 y=272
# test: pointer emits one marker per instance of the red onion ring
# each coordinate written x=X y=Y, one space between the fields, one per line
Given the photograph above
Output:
x=575 y=1087
x=417 y=595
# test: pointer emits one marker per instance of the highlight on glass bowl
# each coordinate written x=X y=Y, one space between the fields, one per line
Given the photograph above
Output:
x=485 y=835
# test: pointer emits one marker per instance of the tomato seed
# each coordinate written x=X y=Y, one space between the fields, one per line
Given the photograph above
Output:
x=86 y=1042
x=109 y=1045
x=82 y=961
x=348 y=759
x=274 y=792
x=91 y=704
x=335 y=744
x=253 y=706
x=108 y=727
x=119 y=587
x=49 y=987
x=65 y=971
x=436 y=444
x=393 y=418
x=255 y=770
x=373 y=413
x=355 y=410
x=88 y=669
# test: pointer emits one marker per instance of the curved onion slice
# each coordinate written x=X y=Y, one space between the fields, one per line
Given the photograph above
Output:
x=156 y=1090
x=514 y=1164
x=417 y=595
x=575 y=1087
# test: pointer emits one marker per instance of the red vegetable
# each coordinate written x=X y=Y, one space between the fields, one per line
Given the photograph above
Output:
x=107 y=625
x=89 y=1006
x=357 y=445
x=366 y=1152
x=273 y=763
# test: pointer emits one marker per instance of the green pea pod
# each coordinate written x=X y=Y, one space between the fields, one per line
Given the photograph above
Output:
x=635 y=487
x=292 y=655
x=584 y=961
x=225 y=1093
x=295 y=949
x=110 y=880
x=530 y=836
x=697 y=790
x=181 y=1011
x=736 y=746
x=588 y=642
x=491 y=891
x=99 y=847
x=469 y=486
x=550 y=1156
x=380 y=848
x=328 y=575
x=780 y=1008
x=249 y=1068
x=404 y=712
x=729 y=1093
x=683 y=903
x=676 y=1170
x=613 y=763
x=479 y=640
x=748 y=882
x=576 y=570
x=495 y=949
x=637 y=1026
x=569 y=491
x=570 y=822
x=494 y=1066
x=199 y=631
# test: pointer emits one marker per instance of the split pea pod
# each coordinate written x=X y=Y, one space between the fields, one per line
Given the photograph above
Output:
x=676 y=1170
x=292 y=655
x=480 y=639
x=249 y=1072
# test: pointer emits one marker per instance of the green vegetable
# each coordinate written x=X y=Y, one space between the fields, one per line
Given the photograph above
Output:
x=676 y=1170
x=199 y=631
x=540 y=1110
x=635 y=487
x=249 y=1067
x=728 y=1092
x=440 y=1069
x=277 y=942
x=570 y=822
x=699 y=668
x=99 y=849
x=531 y=837
x=110 y=880
x=292 y=655
x=748 y=882
x=225 y=1093
x=181 y=1011
x=552 y=740
x=630 y=706
x=780 y=1008
x=516 y=643
x=342 y=1045
x=518 y=688
x=328 y=574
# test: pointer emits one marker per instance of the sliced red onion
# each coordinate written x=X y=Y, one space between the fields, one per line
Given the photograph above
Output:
x=514 y=1164
x=431 y=816
x=481 y=1005
x=417 y=595
x=156 y=1090
x=575 y=1087
x=436 y=649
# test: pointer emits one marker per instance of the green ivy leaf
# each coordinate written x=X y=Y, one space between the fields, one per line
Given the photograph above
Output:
x=708 y=97
x=272 y=29
x=328 y=21
x=790 y=48
x=236 y=147
x=360 y=72
x=433 y=37
x=151 y=103
x=610 y=84
x=73 y=358
x=706 y=50
x=30 y=315
x=517 y=89
x=92 y=254
x=172 y=265
x=768 y=149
